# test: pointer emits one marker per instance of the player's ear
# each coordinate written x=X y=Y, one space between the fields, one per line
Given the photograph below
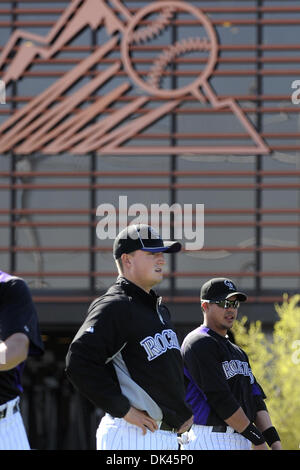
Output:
x=126 y=260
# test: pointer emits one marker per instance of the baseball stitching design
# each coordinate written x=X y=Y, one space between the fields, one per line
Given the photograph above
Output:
x=155 y=29
x=179 y=48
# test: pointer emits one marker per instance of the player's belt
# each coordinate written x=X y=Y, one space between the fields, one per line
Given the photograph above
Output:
x=220 y=428
x=163 y=426
x=15 y=409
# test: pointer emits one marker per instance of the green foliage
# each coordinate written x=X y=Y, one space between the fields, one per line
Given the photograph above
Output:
x=275 y=363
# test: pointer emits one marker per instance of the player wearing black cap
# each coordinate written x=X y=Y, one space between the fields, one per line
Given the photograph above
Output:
x=126 y=357
x=227 y=402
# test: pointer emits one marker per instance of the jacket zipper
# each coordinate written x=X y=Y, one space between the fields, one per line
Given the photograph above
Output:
x=158 y=302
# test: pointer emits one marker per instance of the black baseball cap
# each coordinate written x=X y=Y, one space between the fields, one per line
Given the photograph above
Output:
x=220 y=288
x=142 y=237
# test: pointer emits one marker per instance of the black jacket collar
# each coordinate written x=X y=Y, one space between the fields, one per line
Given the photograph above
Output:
x=133 y=290
x=213 y=333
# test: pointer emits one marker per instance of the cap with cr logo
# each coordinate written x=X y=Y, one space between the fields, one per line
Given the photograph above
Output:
x=221 y=288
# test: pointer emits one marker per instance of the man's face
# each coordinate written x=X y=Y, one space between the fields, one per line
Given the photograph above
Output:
x=218 y=318
x=144 y=268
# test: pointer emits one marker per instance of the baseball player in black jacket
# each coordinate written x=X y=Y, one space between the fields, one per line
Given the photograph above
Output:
x=227 y=402
x=19 y=338
x=126 y=358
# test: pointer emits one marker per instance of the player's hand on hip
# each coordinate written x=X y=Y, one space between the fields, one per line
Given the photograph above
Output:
x=186 y=426
x=261 y=447
x=141 y=419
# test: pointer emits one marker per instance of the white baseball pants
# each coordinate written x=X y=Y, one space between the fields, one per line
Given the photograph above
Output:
x=202 y=438
x=12 y=430
x=117 y=434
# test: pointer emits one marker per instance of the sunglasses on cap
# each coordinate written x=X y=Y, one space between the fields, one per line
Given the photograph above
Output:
x=225 y=303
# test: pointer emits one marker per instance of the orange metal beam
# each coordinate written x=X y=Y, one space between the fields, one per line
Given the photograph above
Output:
x=208 y=211
x=191 y=23
x=150 y=174
x=205 y=9
x=40 y=299
x=179 y=274
x=236 y=186
x=100 y=249
x=224 y=223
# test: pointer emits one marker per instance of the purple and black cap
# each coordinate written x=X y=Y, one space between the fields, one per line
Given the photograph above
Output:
x=142 y=237
x=220 y=288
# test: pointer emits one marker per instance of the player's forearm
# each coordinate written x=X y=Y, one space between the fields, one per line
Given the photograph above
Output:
x=238 y=420
x=225 y=404
x=13 y=351
x=263 y=420
x=264 y=423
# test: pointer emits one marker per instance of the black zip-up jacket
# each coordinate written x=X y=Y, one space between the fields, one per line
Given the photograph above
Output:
x=127 y=353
